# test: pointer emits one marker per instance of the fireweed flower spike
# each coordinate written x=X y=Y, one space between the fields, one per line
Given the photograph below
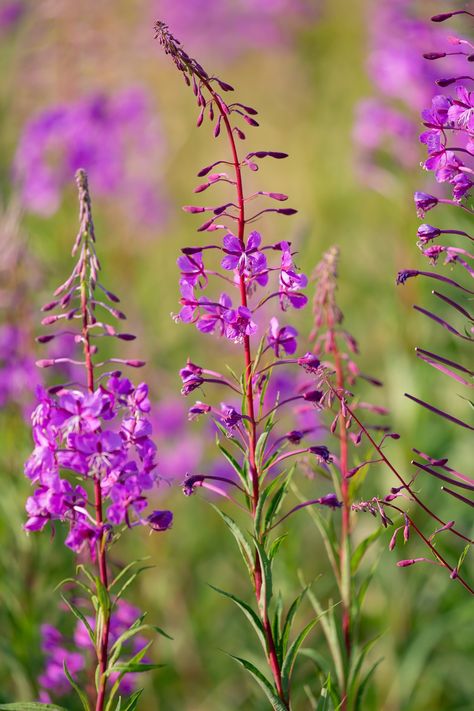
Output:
x=256 y=273
x=449 y=139
x=94 y=462
x=338 y=376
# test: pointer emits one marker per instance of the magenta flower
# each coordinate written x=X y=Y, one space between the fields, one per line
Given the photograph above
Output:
x=96 y=133
x=245 y=259
x=282 y=338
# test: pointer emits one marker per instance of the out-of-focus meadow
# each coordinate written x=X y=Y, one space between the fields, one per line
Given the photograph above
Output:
x=86 y=82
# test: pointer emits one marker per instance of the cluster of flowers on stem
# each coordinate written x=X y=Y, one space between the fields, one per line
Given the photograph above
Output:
x=449 y=139
x=94 y=461
x=260 y=275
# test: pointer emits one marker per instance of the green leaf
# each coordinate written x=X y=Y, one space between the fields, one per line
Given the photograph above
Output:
x=229 y=437
x=276 y=626
x=242 y=542
x=463 y=556
x=356 y=666
x=103 y=596
x=275 y=545
x=119 y=704
x=267 y=587
x=250 y=614
x=361 y=549
x=80 y=616
x=264 y=494
x=290 y=617
x=364 y=684
x=125 y=570
x=79 y=692
x=133 y=701
x=31 y=706
x=234 y=464
x=74 y=581
x=290 y=658
x=330 y=629
x=132 y=668
x=278 y=498
x=277 y=703
x=132 y=579
x=132 y=631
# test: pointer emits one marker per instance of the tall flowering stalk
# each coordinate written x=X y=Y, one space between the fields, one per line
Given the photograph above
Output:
x=93 y=466
x=257 y=457
x=449 y=139
x=353 y=453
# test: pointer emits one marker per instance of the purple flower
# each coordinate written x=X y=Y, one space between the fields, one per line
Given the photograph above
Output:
x=282 y=338
x=160 y=520
x=95 y=133
x=215 y=317
x=246 y=259
x=192 y=269
x=291 y=282
x=424 y=202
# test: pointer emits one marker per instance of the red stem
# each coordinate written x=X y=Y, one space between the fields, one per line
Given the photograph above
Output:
x=102 y=651
x=407 y=486
x=344 y=545
x=249 y=396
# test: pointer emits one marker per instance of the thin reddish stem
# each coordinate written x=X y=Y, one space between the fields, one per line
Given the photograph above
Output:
x=408 y=488
x=344 y=544
x=102 y=649
x=249 y=396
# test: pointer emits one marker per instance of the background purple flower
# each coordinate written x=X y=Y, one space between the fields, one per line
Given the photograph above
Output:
x=113 y=136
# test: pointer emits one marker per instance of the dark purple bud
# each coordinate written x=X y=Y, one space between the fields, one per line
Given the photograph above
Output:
x=191 y=383
x=434 y=55
x=113 y=297
x=321 y=452
x=202 y=187
x=295 y=436
x=309 y=362
x=264 y=154
x=330 y=500
x=239 y=133
x=44 y=339
x=45 y=362
x=286 y=211
x=442 y=16
x=193 y=209
x=199 y=408
x=424 y=202
x=313 y=395
x=126 y=336
x=50 y=305
x=200 y=118
x=406 y=274
x=205 y=225
x=427 y=232
x=470 y=58
x=223 y=85
x=250 y=121
x=446 y=82
x=191 y=250
x=190 y=482
x=191 y=368
x=160 y=520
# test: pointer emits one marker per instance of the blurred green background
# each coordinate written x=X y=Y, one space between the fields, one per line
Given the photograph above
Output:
x=306 y=92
